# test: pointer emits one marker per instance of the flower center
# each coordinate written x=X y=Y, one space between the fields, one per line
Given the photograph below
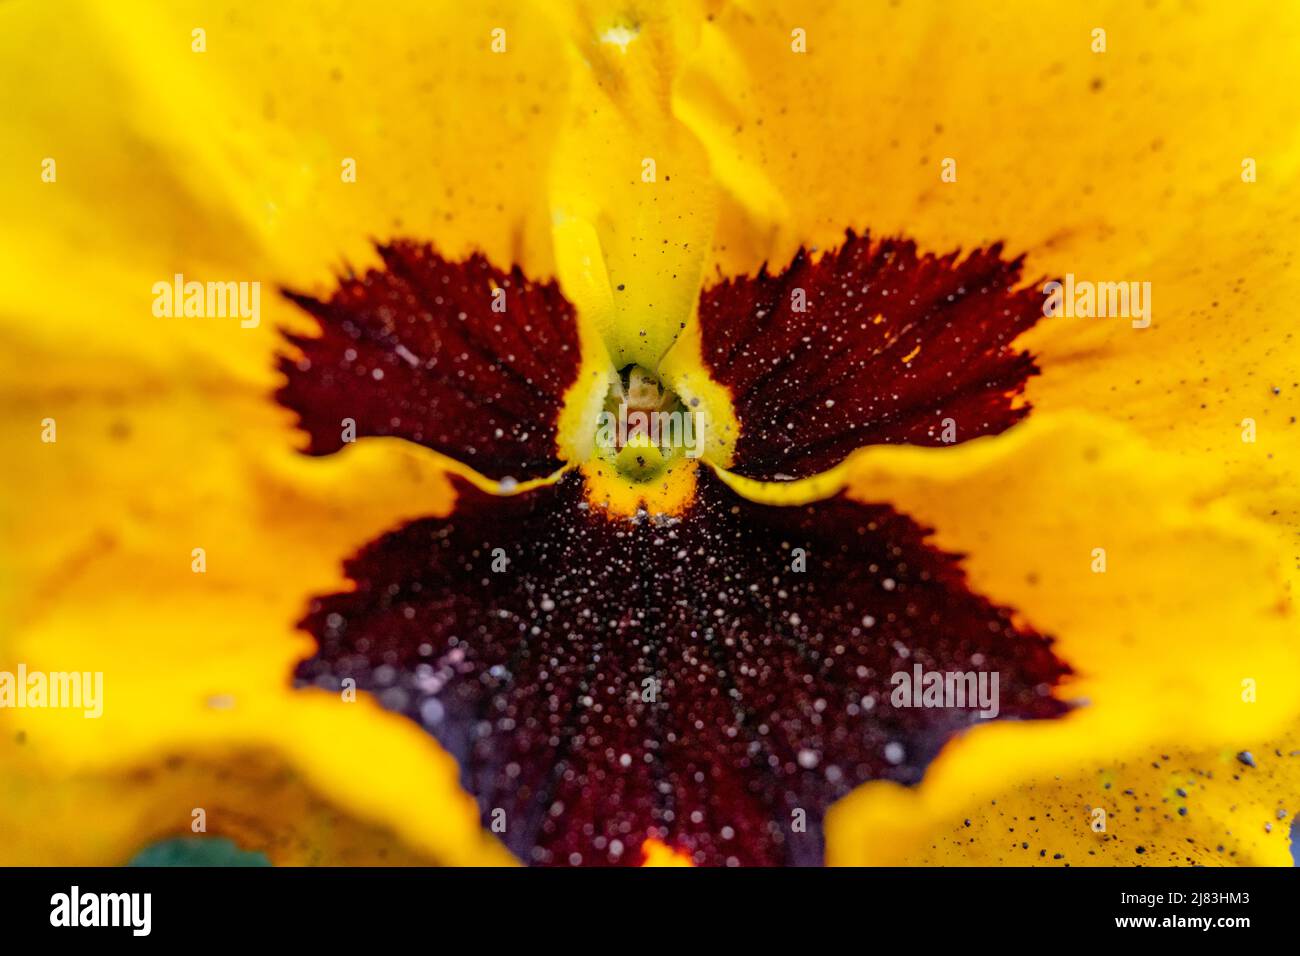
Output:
x=643 y=427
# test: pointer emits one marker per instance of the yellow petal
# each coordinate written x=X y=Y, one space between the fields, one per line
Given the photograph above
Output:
x=1122 y=165
x=197 y=650
x=233 y=163
x=1056 y=146
x=1174 y=807
x=267 y=803
x=1184 y=640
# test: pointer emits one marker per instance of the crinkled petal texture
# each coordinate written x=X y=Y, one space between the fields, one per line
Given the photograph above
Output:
x=1123 y=563
x=1170 y=606
x=1115 y=141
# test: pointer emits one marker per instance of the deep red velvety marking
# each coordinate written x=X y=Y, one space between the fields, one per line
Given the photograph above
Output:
x=415 y=350
x=890 y=344
x=620 y=679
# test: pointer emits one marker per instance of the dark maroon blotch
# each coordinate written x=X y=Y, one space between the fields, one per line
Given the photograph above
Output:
x=417 y=350
x=603 y=680
x=816 y=357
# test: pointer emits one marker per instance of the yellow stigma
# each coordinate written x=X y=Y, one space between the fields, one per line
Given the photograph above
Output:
x=640 y=459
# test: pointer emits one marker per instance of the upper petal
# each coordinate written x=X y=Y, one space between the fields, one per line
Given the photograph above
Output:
x=235 y=159
x=1122 y=164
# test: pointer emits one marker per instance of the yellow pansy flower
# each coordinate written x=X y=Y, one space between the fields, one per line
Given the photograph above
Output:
x=973 y=508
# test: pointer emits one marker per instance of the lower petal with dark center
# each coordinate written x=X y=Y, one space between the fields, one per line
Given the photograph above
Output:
x=713 y=681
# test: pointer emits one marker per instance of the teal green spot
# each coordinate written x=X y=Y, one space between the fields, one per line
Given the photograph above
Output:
x=198 y=851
